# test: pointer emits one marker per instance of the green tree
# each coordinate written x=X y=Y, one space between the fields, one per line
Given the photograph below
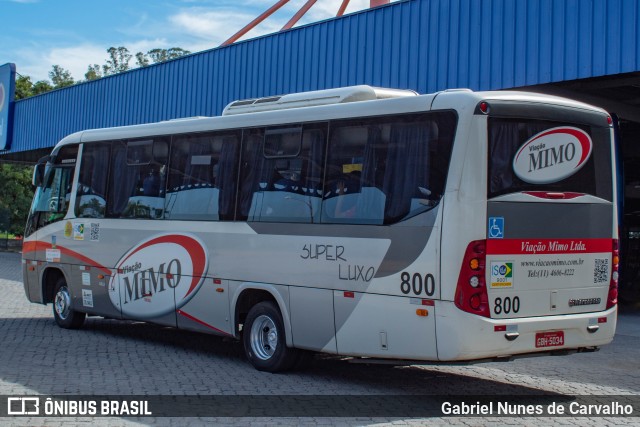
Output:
x=60 y=77
x=159 y=55
x=177 y=52
x=118 y=61
x=162 y=55
x=41 y=86
x=93 y=72
x=15 y=195
x=142 y=60
x=24 y=87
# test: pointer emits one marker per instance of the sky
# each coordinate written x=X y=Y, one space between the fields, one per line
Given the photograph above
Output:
x=37 y=34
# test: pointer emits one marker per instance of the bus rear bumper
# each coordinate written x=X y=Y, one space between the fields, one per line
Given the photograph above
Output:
x=462 y=336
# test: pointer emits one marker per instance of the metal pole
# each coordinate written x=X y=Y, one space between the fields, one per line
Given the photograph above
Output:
x=298 y=15
x=343 y=7
x=255 y=22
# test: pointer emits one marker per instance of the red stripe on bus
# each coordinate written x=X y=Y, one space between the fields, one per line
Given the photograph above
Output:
x=190 y=317
x=29 y=247
x=547 y=246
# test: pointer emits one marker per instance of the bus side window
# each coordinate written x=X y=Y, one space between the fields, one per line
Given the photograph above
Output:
x=202 y=176
x=250 y=171
x=354 y=175
x=407 y=176
x=137 y=178
x=92 y=181
x=384 y=170
x=282 y=174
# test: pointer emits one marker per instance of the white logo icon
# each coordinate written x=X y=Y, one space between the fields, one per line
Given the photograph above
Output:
x=23 y=406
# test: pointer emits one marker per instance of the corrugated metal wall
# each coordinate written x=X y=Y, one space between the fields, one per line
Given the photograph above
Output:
x=425 y=45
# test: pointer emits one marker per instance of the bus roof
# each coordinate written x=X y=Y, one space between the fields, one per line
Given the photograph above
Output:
x=370 y=102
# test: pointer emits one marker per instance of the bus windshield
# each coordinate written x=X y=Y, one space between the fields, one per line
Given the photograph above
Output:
x=51 y=200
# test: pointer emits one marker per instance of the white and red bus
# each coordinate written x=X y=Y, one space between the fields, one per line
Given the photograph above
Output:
x=376 y=223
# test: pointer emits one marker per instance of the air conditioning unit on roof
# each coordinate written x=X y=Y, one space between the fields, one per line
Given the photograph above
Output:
x=314 y=98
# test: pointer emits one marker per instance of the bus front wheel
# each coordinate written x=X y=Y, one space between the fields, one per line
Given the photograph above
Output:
x=264 y=340
x=66 y=317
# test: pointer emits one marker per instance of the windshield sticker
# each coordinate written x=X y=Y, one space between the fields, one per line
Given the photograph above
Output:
x=552 y=155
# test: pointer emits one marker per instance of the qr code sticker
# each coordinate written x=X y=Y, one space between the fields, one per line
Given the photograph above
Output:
x=601 y=270
x=94 y=232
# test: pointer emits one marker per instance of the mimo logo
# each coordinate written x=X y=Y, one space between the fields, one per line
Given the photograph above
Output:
x=159 y=275
x=552 y=155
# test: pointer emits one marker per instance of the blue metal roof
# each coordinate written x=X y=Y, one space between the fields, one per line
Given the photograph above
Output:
x=425 y=45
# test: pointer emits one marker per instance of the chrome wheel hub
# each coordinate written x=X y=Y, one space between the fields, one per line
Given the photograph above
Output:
x=264 y=337
x=62 y=302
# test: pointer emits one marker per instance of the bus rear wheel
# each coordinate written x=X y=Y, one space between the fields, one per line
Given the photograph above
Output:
x=264 y=340
x=66 y=317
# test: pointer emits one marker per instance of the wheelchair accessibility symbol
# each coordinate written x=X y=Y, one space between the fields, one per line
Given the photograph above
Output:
x=496 y=227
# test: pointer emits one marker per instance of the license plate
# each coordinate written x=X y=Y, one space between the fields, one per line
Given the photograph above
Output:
x=549 y=339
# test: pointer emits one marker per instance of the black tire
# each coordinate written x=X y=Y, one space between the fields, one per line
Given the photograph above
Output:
x=263 y=330
x=66 y=317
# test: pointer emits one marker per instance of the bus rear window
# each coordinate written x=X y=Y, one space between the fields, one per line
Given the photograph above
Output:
x=543 y=155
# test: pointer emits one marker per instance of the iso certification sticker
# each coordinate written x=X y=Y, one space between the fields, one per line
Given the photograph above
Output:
x=78 y=231
x=501 y=274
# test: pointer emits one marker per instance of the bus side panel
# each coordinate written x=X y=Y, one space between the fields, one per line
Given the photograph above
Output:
x=87 y=250
x=90 y=291
x=312 y=323
x=31 y=279
x=384 y=326
x=208 y=310
x=41 y=253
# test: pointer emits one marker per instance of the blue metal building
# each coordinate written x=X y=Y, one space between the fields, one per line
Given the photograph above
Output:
x=425 y=45
x=583 y=49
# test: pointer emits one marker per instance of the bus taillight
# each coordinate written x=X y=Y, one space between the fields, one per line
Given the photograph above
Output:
x=613 y=285
x=471 y=292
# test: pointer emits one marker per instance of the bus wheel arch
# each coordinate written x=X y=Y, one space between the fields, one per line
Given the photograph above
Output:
x=247 y=297
x=55 y=290
x=50 y=277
